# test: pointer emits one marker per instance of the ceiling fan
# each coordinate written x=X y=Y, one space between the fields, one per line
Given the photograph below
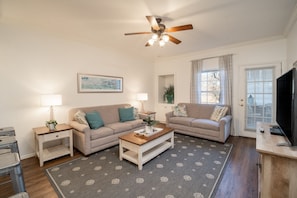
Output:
x=160 y=32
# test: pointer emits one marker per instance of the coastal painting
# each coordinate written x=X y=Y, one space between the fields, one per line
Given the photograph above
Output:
x=90 y=83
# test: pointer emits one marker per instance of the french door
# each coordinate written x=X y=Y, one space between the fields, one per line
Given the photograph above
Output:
x=257 y=96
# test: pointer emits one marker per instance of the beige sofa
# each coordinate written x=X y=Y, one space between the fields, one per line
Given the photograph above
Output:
x=89 y=140
x=197 y=122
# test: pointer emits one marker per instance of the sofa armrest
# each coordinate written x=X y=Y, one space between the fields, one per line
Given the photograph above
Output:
x=224 y=120
x=168 y=115
x=79 y=127
x=225 y=127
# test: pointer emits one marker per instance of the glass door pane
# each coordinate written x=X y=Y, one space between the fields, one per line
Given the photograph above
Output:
x=259 y=97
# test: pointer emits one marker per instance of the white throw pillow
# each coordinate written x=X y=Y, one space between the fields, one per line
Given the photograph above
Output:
x=180 y=110
x=218 y=113
x=80 y=117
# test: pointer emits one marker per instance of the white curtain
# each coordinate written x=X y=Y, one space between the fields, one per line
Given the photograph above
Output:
x=226 y=70
x=196 y=77
x=225 y=67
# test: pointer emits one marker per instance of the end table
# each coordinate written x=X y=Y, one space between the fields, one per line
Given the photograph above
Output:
x=43 y=135
x=143 y=115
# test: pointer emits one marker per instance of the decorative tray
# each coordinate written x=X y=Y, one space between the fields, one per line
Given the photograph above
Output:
x=147 y=134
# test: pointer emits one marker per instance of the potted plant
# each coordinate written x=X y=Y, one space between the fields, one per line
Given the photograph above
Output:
x=51 y=124
x=169 y=94
x=149 y=123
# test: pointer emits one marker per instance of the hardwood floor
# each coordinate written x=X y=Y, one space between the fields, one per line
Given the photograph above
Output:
x=239 y=178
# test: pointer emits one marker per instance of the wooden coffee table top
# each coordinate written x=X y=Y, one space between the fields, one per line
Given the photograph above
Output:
x=140 y=139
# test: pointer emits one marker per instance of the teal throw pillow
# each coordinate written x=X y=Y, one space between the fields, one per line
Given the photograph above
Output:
x=94 y=120
x=126 y=114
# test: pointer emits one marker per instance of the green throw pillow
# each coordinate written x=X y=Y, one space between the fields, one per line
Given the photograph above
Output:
x=94 y=120
x=126 y=114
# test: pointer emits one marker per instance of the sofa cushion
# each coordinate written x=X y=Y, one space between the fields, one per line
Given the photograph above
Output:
x=94 y=120
x=200 y=111
x=101 y=132
x=180 y=110
x=181 y=120
x=135 y=123
x=119 y=127
x=126 y=114
x=80 y=117
x=218 y=113
x=206 y=124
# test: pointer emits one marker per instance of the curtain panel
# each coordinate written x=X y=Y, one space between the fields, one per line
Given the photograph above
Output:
x=226 y=68
x=195 y=79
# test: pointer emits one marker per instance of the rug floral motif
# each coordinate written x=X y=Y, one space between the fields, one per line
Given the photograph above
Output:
x=191 y=169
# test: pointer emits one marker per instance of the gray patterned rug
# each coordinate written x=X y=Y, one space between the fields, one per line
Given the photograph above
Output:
x=191 y=169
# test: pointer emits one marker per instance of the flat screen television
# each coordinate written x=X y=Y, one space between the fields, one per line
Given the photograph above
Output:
x=286 y=105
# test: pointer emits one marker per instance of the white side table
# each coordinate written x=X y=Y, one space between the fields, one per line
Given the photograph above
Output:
x=43 y=135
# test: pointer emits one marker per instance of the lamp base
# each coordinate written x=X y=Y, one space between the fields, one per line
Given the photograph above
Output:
x=142 y=107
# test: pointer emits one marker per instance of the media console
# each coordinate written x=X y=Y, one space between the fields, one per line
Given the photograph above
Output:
x=277 y=172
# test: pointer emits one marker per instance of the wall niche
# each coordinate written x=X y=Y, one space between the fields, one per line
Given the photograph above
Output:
x=166 y=89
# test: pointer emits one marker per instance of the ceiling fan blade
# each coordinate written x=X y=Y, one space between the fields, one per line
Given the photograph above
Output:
x=147 y=44
x=179 y=28
x=152 y=20
x=134 y=33
x=174 y=40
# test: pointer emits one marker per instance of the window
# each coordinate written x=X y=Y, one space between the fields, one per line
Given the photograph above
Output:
x=210 y=87
x=211 y=80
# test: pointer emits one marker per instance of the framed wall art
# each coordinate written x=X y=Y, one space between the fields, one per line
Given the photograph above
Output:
x=90 y=83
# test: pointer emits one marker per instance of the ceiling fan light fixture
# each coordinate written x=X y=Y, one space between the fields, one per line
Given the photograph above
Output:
x=165 y=38
x=160 y=32
x=161 y=43
x=155 y=37
x=151 y=41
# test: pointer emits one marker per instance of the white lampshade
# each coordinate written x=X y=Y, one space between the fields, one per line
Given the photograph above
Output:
x=142 y=96
x=51 y=100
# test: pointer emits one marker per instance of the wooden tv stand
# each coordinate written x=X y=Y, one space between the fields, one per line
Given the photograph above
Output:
x=277 y=165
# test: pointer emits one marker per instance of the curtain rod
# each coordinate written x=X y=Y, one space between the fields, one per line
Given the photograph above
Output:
x=211 y=57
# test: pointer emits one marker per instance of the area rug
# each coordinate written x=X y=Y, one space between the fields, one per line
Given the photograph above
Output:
x=191 y=169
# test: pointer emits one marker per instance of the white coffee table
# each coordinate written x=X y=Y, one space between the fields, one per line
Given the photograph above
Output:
x=140 y=149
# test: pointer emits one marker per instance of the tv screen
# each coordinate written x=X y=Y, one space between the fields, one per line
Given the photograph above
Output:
x=286 y=104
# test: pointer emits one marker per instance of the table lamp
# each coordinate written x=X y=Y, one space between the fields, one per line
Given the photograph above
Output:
x=142 y=97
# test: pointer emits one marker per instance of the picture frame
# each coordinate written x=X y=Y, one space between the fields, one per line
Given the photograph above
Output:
x=92 y=83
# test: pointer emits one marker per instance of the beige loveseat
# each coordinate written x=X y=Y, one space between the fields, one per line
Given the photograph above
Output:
x=197 y=122
x=89 y=140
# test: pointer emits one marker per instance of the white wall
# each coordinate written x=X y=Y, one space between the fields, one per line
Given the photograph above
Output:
x=292 y=45
x=33 y=63
x=254 y=53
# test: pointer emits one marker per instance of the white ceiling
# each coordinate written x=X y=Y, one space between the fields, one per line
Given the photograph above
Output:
x=103 y=23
